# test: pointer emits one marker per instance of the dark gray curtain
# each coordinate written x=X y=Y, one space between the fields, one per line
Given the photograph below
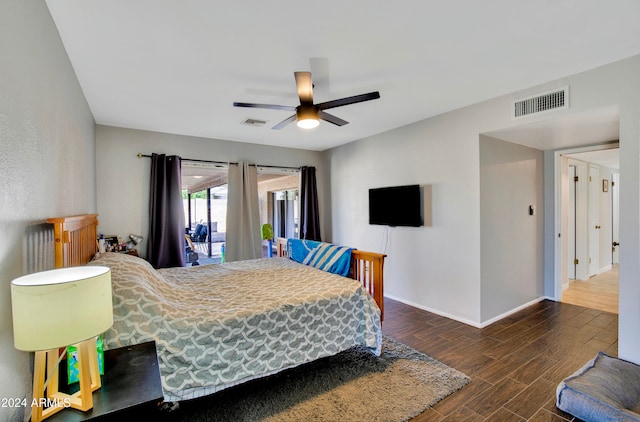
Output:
x=309 y=216
x=166 y=246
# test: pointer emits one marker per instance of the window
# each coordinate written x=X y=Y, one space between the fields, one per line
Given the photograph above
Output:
x=205 y=206
x=205 y=190
x=278 y=196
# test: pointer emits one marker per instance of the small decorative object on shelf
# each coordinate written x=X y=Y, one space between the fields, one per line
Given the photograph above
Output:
x=110 y=243
x=102 y=247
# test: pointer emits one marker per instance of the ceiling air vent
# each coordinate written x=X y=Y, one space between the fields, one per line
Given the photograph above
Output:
x=254 y=122
x=552 y=100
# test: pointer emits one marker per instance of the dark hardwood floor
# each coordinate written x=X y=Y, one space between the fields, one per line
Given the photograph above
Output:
x=515 y=364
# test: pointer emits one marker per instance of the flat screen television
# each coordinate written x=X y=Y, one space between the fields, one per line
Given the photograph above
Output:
x=395 y=206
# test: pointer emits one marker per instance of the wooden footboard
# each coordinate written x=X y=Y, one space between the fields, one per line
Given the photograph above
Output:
x=366 y=267
x=75 y=239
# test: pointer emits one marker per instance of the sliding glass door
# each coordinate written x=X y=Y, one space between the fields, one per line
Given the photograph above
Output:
x=285 y=213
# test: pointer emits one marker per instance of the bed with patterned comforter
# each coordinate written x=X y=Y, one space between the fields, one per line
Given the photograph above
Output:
x=220 y=325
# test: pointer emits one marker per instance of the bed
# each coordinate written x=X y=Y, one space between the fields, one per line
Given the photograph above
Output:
x=220 y=325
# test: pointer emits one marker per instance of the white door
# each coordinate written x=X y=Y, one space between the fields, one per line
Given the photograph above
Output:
x=571 y=229
x=594 y=220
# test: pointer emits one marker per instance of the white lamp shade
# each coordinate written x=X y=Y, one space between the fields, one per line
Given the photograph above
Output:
x=60 y=307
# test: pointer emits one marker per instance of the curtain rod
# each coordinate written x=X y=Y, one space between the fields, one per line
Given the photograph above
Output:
x=141 y=155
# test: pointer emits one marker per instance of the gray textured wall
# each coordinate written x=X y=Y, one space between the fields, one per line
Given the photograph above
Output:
x=47 y=158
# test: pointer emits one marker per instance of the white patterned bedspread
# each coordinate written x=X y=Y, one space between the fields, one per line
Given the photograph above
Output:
x=220 y=325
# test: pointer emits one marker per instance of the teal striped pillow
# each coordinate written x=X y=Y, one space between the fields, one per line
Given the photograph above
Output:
x=331 y=258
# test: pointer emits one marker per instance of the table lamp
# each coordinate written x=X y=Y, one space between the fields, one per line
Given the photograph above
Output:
x=55 y=309
x=134 y=240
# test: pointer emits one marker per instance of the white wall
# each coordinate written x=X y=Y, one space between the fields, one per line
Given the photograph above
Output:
x=434 y=267
x=511 y=239
x=47 y=158
x=123 y=178
x=439 y=268
x=629 y=308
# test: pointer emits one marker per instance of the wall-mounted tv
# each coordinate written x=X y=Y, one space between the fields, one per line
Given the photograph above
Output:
x=395 y=206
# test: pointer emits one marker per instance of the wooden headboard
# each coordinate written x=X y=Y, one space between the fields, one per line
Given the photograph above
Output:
x=366 y=267
x=75 y=239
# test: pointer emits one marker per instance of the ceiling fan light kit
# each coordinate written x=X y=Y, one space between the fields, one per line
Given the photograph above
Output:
x=307 y=117
x=308 y=114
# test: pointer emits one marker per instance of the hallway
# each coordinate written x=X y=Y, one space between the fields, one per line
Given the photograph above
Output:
x=599 y=292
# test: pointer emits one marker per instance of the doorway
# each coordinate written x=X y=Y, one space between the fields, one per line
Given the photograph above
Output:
x=588 y=186
x=285 y=216
x=595 y=130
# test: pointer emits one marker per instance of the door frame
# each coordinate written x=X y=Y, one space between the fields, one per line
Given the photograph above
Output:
x=615 y=215
x=593 y=225
x=572 y=244
x=581 y=220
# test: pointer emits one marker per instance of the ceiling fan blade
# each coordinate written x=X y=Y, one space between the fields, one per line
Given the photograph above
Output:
x=319 y=68
x=349 y=100
x=271 y=106
x=285 y=122
x=331 y=118
x=305 y=87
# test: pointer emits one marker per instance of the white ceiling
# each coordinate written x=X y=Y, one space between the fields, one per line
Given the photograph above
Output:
x=177 y=66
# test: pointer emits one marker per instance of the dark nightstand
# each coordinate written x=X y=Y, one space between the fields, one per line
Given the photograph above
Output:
x=131 y=383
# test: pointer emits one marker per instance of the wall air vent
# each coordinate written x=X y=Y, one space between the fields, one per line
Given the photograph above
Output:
x=549 y=101
x=253 y=122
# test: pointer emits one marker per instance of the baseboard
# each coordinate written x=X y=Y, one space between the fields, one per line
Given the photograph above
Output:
x=435 y=311
x=466 y=321
x=512 y=311
x=605 y=269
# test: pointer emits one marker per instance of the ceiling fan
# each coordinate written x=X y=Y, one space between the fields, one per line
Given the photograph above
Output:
x=308 y=114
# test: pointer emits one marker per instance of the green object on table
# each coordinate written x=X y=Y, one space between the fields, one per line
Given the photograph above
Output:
x=267 y=232
x=72 y=360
